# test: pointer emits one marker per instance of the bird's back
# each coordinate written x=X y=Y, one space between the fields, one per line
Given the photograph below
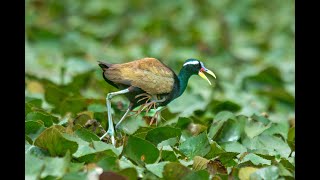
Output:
x=148 y=74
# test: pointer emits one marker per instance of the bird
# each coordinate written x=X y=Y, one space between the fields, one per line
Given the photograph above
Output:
x=147 y=83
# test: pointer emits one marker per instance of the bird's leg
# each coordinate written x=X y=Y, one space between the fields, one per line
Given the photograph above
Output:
x=149 y=105
x=110 y=131
x=124 y=116
x=156 y=115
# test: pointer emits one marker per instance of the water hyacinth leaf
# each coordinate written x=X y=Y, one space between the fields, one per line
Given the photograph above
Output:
x=256 y=160
x=130 y=173
x=231 y=131
x=201 y=174
x=175 y=170
x=214 y=151
x=33 y=128
x=86 y=135
x=56 y=166
x=157 y=168
x=109 y=164
x=140 y=151
x=168 y=156
x=270 y=172
x=52 y=140
x=46 y=118
x=195 y=146
x=33 y=167
x=183 y=122
x=160 y=134
x=234 y=147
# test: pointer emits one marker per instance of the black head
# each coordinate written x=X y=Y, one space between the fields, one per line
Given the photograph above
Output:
x=195 y=66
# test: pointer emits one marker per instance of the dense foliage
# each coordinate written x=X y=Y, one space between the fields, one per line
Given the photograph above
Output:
x=241 y=127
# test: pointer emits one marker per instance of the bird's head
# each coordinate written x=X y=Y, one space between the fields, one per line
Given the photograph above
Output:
x=196 y=67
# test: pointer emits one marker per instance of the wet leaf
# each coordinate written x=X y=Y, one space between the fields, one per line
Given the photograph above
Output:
x=195 y=146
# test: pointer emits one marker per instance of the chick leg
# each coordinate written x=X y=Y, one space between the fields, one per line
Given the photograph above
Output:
x=110 y=131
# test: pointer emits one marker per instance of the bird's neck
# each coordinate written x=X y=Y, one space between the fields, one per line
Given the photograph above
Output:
x=183 y=76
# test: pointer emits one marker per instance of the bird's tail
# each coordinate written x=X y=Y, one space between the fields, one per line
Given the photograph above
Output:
x=104 y=65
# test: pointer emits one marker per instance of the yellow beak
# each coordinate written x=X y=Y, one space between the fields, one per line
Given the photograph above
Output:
x=201 y=74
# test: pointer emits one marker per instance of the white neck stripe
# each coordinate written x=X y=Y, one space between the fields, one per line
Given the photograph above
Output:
x=191 y=62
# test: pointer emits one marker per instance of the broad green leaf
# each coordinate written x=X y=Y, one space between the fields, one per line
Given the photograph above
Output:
x=168 y=156
x=33 y=167
x=157 y=168
x=56 y=167
x=109 y=164
x=130 y=173
x=175 y=170
x=86 y=135
x=183 y=122
x=233 y=147
x=46 y=118
x=202 y=174
x=75 y=176
x=97 y=108
x=140 y=151
x=231 y=131
x=267 y=145
x=52 y=140
x=195 y=146
x=160 y=134
x=270 y=172
x=214 y=151
x=253 y=129
x=256 y=160
x=33 y=128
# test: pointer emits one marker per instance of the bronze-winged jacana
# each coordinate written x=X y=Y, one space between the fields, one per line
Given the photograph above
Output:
x=148 y=82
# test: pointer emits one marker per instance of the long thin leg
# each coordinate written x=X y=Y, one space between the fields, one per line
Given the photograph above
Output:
x=124 y=116
x=110 y=131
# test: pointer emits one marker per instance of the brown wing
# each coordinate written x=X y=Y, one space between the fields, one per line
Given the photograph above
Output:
x=149 y=74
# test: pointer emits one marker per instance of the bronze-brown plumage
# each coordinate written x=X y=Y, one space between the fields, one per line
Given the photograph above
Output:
x=149 y=74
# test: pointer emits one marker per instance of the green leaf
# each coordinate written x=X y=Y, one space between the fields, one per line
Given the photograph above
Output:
x=195 y=146
x=253 y=129
x=256 y=160
x=109 y=164
x=214 y=151
x=183 y=122
x=270 y=172
x=33 y=167
x=130 y=173
x=75 y=176
x=234 y=147
x=175 y=170
x=160 y=134
x=52 y=140
x=202 y=174
x=140 y=151
x=56 y=167
x=157 y=168
x=168 y=156
x=86 y=135
x=33 y=128
x=97 y=108
x=218 y=123
x=46 y=118
x=231 y=131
